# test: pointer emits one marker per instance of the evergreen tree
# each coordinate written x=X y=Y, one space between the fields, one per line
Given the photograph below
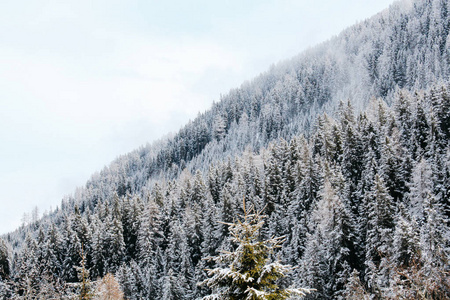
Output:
x=421 y=186
x=248 y=274
x=86 y=290
x=406 y=244
x=328 y=248
x=171 y=288
x=380 y=226
x=112 y=245
x=4 y=261
x=53 y=255
x=354 y=289
x=72 y=249
x=149 y=235
x=131 y=215
x=134 y=283
x=27 y=273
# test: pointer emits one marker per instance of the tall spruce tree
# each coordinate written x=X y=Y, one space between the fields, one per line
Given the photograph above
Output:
x=4 y=261
x=246 y=272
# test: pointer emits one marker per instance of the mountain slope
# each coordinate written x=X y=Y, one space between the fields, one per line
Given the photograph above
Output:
x=394 y=49
x=150 y=221
x=406 y=46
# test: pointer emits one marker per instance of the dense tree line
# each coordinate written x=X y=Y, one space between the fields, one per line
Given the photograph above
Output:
x=361 y=192
x=363 y=200
x=406 y=46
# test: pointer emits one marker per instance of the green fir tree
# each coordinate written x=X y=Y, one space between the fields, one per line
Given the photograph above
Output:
x=246 y=272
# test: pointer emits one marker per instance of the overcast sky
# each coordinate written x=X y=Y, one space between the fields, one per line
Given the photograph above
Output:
x=82 y=82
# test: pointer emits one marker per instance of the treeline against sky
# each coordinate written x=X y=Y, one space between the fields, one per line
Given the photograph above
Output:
x=361 y=191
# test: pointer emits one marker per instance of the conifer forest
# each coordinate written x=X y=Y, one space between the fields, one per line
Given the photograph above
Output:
x=343 y=151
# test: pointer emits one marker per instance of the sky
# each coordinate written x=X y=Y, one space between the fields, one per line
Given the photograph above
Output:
x=82 y=82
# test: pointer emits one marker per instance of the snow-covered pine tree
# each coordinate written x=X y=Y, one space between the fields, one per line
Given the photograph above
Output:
x=380 y=227
x=354 y=289
x=134 y=283
x=246 y=272
x=4 y=261
x=85 y=285
x=171 y=288
x=327 y=258
x=5 y=270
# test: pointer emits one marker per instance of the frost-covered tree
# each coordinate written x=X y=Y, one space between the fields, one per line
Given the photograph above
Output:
x=406 y=249
x=246 y=272
x=328 y=248
x=354 y=289
x=134 y=283
x=85 y=285
x=4 y=261
x=380 y=226
x=219 y=127
x=171 y=287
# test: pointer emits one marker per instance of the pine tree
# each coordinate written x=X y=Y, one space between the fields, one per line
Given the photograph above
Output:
x=27 y=273
x=111 y=242
x=149 y=235
x=249 y=274
x=132 y=213
x=72 y=248
x=406 y=250
x=134 y=283
x=380 y=227
x=86 y=292
x=171 y=287
x=4 y=261
x=54 y=252
x=421 y=186
x=354 y=290
x=328 y=248
x=5 y=288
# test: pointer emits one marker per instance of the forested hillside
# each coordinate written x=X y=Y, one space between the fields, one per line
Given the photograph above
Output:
x=346 y=146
